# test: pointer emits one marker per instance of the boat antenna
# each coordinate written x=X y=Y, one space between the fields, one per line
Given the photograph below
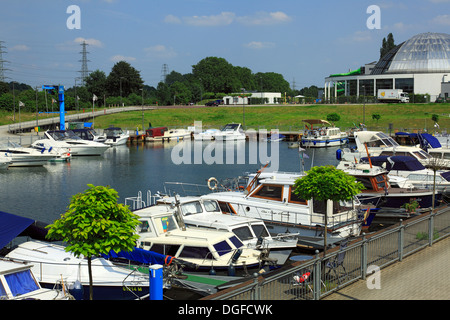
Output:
x=179 y=214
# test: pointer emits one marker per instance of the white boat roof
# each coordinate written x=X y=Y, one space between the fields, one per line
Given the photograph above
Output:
x=317 y=121
x=191 y=236
x=221 y=219
x=7 y=267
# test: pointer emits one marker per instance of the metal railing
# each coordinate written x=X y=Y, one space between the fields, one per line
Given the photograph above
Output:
x=322 y=275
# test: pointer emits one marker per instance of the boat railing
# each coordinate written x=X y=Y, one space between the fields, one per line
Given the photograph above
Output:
x=361 y=257
x=296 y=217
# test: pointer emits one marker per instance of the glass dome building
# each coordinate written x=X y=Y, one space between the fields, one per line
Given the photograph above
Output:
x=419 y=65
x=426 y=52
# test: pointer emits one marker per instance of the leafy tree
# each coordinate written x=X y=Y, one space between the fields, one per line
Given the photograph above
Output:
x=123 y=75
x=216 y=75
x=376 y=117
x=333 y=117
x=387 y=45
x=327 y=183
x=435 y=117
x=163 y=94
x=96 y=84
x=174 y=77
x=181 y=93
x=273 y=82
x=95 y=224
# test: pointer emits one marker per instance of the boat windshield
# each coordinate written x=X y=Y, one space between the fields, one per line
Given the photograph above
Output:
x=211 y=206
x=165 y=224
x=422 y=155
x=382 y=140
x=222 y=248
x=191 y=208
x=21 y=282
x=231 y=127
x=243 y=233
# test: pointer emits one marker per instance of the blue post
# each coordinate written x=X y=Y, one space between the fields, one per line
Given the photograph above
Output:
x=62 y=120
x=156 y=282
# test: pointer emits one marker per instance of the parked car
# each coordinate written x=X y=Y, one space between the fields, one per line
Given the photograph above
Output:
x=214 y=103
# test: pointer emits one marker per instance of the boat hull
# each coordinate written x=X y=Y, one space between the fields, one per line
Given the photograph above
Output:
x=106 y=292
x=322 y=143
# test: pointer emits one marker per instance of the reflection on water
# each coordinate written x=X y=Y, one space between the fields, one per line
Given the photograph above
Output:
x=43 y=193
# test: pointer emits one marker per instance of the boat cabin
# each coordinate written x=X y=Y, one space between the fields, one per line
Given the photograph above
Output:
x=156 y=132
x=160 y=232
x=206 y=214
x=17 y=282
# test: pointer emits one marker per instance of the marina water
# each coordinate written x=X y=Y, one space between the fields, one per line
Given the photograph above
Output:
x=43 y=193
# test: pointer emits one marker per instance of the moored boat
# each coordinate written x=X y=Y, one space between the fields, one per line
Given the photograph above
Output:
x=321 y=134
x=115 y=136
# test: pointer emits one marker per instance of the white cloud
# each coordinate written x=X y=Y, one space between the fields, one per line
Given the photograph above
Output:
x=91 y=42
x=442 y=20
x=119 y=57
x=222 y=19
x=259 y=45
x=265 y=18
x=227 y=18
x=160 y=51
x=172 y=19
x=20 y=47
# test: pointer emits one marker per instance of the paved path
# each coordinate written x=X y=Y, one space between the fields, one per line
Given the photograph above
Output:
x=424 y=275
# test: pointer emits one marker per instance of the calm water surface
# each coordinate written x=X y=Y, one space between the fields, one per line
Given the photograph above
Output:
x=43 y=193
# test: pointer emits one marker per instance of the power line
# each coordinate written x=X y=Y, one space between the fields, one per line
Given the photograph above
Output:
x=84 y=68
x=164 y=72
x=2 y=62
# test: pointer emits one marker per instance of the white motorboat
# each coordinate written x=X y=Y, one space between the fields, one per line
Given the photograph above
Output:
x=231 y=131
x=202 y=249
x=205 y=135
x=417 y=174
x=51 y=264
x=24 y=156
x=5 y=161
x=272 y=200
x=89 y=134
x=115 y=136
x=431 y=144
x=173 y=135
x=17 y=282
x=61 y=139
x=379 y=189
x=206 y=214
x=376 y=143
x=324 y=135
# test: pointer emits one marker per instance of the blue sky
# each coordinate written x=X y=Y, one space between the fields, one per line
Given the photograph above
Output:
x=305 y=41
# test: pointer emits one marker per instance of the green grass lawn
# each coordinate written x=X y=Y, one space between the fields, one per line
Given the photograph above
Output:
x=284 y=117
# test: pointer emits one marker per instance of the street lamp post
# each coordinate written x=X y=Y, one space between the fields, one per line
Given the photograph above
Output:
x=243 y=108
x=142 y=103
x=364 y=105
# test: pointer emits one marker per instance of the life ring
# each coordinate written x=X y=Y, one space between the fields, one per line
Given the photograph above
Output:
x=212 y=180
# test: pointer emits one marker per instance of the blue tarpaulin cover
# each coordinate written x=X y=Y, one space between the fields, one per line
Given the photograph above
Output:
x=433 y=141
x=139 y=255
x=405 y=163
x=11 y=226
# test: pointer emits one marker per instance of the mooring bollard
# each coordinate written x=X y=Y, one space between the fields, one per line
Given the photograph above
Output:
x=156 y=282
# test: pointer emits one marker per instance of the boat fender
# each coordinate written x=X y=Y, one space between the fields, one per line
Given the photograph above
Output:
x=339 y=154
x=212 y=183
x=76 y=290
